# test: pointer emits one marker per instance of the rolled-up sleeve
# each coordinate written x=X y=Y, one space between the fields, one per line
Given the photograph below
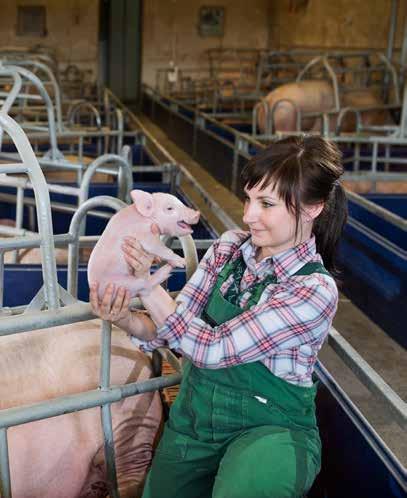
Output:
x=194 y=296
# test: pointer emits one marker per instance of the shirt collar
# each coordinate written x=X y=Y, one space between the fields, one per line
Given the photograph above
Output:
x=284 y=264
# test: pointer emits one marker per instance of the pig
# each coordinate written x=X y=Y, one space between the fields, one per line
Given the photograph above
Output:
x=33 y=256
x=318 y=96
x=169 y=215
x=63 y=456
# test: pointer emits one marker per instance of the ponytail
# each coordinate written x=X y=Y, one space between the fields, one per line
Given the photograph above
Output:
x=329 y=225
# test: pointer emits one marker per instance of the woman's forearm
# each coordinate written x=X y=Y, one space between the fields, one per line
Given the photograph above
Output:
x=138 y=324
x=159 y=304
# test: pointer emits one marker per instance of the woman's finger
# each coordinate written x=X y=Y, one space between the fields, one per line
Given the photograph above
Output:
x=155 y=229
x=118 y=302
x=93 y=297
x=134 y=246
x=126 y=301
x=134 y=252
x=135 y=263
x=107 y=299
x=133 y=243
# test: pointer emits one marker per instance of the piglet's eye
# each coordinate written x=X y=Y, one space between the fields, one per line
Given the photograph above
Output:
x=169 y=208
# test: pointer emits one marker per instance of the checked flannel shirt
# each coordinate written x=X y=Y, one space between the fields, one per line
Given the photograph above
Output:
x=284 y=330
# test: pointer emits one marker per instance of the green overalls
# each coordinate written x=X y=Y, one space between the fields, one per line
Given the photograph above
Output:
x=237 y=432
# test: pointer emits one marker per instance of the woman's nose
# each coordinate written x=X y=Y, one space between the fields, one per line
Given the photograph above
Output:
x=249 y=215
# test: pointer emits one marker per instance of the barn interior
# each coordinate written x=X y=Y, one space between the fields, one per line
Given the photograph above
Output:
x=101 y=97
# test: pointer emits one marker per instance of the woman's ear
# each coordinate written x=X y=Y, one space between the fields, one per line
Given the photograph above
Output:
x=312 y=211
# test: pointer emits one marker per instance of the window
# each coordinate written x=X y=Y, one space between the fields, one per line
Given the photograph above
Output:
x=31 y=21
x=210 y=21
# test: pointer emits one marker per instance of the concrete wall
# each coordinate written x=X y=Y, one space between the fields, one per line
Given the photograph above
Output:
x=170 y=31
x=72 y=26
x=333 y=24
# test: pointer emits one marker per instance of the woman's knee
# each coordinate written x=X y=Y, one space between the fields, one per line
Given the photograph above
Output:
x=272 y=485
x=273 y=466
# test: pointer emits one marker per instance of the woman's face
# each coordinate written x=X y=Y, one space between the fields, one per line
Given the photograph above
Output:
x=271 y=225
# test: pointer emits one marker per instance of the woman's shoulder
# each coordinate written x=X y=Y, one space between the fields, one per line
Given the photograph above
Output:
x=317 y=281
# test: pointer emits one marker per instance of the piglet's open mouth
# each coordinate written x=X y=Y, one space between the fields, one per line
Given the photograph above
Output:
x=184 y=225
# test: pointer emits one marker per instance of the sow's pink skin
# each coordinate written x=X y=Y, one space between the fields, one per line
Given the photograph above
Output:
x=169 y=214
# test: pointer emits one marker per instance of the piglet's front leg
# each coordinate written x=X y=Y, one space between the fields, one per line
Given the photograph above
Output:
x=153 y=245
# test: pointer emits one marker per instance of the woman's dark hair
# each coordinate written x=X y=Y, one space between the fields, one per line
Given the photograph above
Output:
x=305 y=171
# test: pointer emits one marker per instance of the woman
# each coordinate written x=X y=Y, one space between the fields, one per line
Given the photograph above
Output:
x=250 y=323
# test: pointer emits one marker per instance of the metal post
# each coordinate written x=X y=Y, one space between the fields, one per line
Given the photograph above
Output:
x=1 y=278
x=19 y=215
x=105 y=410
x=390 y=45
x=403 y=55
x=5 y=482
x=392 y=29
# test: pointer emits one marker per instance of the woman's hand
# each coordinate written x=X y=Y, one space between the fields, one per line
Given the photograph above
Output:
x=137 y=258
x=113 y=307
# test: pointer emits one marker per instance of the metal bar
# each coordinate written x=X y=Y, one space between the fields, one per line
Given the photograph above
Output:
x=106 y=416
x=392 y=29
x=43 y=319
x=383 y=213
x=369 y=377
x=378 y=239
x=1 y=279
x=11 y=417
x=43 y=207
x=56 y=206
x=5 y=481
x=13 y=168
x=362 y=425
x=75 y=230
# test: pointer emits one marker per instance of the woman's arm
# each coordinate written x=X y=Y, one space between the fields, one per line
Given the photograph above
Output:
x=297 y=315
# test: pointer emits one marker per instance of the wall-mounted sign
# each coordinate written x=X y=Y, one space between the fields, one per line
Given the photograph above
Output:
x=211 y=20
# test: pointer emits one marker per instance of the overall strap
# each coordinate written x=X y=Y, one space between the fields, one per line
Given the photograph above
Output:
x=307 y=269
x=221 y=308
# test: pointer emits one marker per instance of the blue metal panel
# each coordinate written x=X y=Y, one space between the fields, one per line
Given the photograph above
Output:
x=355 y=462
x=22 y=282
x=397 y=203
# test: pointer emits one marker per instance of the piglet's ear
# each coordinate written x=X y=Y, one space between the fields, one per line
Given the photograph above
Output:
x=144 y=202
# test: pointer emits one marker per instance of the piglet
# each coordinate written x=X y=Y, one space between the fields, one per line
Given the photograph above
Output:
x=107 y=264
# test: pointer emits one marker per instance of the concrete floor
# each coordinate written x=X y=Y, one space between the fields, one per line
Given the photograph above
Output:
x=381 y=352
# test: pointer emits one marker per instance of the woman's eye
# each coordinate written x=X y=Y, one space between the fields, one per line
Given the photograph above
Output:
x=267 y=205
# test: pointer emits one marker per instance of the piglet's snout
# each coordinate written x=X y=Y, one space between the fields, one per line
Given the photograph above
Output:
x=192 y=216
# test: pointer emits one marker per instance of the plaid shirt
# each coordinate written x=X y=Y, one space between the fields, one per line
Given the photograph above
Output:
x=284 y=330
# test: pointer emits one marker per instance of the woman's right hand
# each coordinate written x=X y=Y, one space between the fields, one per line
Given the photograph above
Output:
x=112 y=306
x=115 y=309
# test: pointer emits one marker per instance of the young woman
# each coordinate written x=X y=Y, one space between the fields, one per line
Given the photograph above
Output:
x=250 y=323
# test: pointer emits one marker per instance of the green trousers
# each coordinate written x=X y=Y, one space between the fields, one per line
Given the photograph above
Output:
x=239 y=432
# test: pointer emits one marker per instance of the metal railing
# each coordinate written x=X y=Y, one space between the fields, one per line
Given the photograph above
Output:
x=54 y=306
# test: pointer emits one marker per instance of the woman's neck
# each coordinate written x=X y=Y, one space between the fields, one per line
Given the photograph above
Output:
x=266 y=252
